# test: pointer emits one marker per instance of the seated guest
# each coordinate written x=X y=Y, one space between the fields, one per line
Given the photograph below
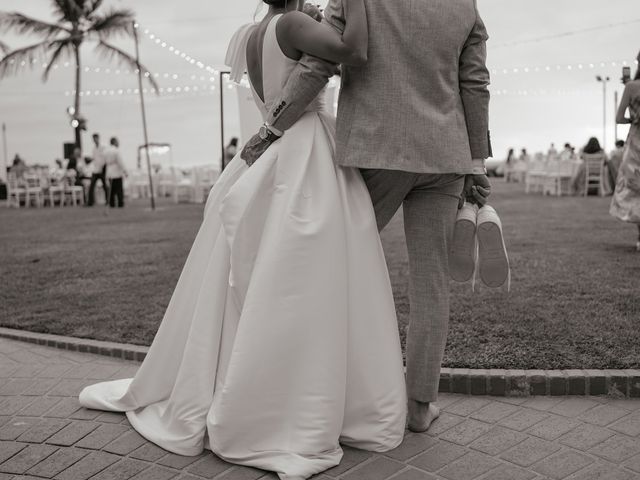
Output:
x=18 y=168
x=75 y=160
x=567 y=153
x=591 y=148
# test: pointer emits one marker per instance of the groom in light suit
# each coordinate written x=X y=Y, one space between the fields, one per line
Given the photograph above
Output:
x=414 y=119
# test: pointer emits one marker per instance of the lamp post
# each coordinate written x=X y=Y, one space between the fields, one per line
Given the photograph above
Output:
x=615 y=110
x=604 y=81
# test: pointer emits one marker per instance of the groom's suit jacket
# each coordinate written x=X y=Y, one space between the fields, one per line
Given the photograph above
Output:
x=421 y=102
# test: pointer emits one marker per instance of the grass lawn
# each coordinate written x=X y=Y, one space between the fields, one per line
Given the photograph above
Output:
x=574 y=303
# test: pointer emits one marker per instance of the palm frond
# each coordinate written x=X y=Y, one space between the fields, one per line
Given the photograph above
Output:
x=11 y=63
x=92 y=6
x=24 y=25
x=114 y=22
x=67 y=10
x=110 y=52
x=4 y=48
x=62 y=47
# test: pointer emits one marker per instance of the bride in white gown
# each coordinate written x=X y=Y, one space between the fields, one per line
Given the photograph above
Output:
x=280 y=341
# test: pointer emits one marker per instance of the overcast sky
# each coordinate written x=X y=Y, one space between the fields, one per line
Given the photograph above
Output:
x=528 y=109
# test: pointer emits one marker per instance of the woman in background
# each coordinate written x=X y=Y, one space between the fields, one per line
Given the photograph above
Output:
x=591 y=148
x=626 y=198
x=230 y=151
x=509 y=164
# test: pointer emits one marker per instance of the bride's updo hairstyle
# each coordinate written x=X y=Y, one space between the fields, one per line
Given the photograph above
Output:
x=276 y=3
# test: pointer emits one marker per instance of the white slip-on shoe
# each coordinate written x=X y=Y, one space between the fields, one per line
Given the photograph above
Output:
x=493 y=262
x=462 y=251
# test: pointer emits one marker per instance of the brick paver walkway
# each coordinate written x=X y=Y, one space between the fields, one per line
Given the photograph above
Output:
x=44 y=433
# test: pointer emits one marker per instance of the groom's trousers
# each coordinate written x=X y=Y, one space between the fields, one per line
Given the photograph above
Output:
x=430 y=204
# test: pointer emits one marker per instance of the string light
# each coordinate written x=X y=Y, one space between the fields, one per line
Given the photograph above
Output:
x=570 y=67
x=539 y=92
x=182 y=89
x=513 y=71
x=177 y=52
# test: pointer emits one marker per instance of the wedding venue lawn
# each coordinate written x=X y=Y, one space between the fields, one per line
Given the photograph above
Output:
x=574 y=301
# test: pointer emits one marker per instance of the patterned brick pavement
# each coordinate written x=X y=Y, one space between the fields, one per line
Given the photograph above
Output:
x=44 y=433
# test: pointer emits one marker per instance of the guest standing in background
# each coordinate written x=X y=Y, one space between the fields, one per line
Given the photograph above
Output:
x=552 y=154
x=522 y=166
x=509 y=164
x=99 y=168
x=85 y=171
x=116 y=172
x=625 y=204
x=614 y=162
x=230 y=151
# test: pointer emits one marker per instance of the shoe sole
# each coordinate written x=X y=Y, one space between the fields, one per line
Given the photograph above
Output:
x=461 y=253
x=493 y=264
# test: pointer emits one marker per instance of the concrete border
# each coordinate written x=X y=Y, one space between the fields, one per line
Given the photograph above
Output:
x=107 y=349
x=500 y=383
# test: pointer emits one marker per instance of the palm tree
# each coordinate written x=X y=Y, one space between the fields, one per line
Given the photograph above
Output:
x=78 y=21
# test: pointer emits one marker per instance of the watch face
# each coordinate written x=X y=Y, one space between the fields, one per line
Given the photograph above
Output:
x=263 y=133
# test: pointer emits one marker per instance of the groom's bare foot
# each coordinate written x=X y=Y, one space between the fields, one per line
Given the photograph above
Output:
x=421 y=415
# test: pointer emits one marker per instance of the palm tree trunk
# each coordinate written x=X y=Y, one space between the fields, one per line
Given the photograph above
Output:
x=78 y=131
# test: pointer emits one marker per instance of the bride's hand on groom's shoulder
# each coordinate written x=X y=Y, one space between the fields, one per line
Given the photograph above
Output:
x=254 y=149
x=313 y=11
x=477 y=189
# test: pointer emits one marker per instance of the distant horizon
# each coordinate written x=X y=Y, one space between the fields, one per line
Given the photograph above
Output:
x=562 y=102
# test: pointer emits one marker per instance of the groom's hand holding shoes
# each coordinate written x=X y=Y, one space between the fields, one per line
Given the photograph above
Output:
x=477 y=187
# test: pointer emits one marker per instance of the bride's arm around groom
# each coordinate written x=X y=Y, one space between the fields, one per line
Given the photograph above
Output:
x=312 y=74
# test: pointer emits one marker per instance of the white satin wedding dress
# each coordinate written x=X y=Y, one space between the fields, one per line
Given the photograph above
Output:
x=280 y=341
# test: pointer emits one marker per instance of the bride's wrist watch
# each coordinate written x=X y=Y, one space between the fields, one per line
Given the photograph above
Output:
x=268 y=133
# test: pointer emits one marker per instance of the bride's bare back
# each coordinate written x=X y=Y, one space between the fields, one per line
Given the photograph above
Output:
x=298 y=33
x=254 y=56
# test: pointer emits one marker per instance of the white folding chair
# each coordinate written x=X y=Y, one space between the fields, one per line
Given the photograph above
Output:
x=208 y=177
x=536 y=175
x=186 y=187
x=34 y=190
x=165 y=183
x=140 y=185
x=593 y=172
x=16 y=192
x=54 y=189
x=72 y=192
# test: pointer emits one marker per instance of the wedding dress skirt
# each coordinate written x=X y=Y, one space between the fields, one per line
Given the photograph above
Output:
x=280 y=339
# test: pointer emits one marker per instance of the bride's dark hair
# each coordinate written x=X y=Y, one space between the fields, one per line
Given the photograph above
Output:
x=276 y=3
